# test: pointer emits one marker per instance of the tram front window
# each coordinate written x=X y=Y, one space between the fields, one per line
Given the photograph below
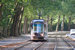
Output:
x=38 y=28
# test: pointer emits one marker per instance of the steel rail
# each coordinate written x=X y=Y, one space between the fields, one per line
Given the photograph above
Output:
x=55 y=42
x=26 y=43
x=38 y=46
x=69 y=43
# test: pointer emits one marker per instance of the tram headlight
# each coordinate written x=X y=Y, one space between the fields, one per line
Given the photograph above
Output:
x=33 y=34
x=42 y=34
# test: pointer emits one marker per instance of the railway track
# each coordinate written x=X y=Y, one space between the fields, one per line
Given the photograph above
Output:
x=30 y=43
x=25 y=44
x=54 y=36
x=65 y=43
x=68 y=43
x=55 y=42
x=39 y=46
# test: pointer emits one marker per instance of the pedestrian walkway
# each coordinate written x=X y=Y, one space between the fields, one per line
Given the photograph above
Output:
x=11 y=40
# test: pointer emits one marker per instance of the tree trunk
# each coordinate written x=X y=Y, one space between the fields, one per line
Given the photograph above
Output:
x=29 y=25
x=1 y=31
x=74 y=25
x=16 y=21
x=62 y=24
x=5 y=32
x=0 y=12
x=8 y=31
x=58 y=24
x=39 y=17
x=19 y=28
x=48 y=21
x=25 y=30
x=15 y=26
x=69 y=23
x=51 y=24
x=1 y=5
x=47 y=18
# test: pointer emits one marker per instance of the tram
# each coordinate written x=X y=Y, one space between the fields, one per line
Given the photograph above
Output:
x=38 y=29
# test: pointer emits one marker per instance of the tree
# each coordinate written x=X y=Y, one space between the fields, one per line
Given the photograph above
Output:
x=62 y=24
x=51 y=24
x=58 y=24
x=69 y=23
x=25 y=30
x=15 y=13
x=1 y=5
x=0 y=12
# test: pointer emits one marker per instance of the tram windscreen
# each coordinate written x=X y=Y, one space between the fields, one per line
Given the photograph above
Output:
x=38 y=28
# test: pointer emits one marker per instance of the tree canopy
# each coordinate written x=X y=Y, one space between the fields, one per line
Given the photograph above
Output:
x=13 y=14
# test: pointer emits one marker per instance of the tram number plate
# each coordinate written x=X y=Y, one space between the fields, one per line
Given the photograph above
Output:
x=36 y=38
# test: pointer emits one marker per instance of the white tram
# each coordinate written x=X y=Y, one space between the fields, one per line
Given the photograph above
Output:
x=39 y=30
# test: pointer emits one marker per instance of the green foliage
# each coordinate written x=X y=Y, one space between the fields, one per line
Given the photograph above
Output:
x=48 y=7
x=51 y=8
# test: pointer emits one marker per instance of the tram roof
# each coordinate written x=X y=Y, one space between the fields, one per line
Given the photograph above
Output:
x=38 y=20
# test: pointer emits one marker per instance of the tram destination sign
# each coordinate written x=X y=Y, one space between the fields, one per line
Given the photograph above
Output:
x=37 y=22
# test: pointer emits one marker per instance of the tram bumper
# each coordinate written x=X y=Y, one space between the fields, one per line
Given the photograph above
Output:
x=38 y=38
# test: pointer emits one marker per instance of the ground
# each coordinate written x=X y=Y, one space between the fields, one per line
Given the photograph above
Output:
x=49 y=45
